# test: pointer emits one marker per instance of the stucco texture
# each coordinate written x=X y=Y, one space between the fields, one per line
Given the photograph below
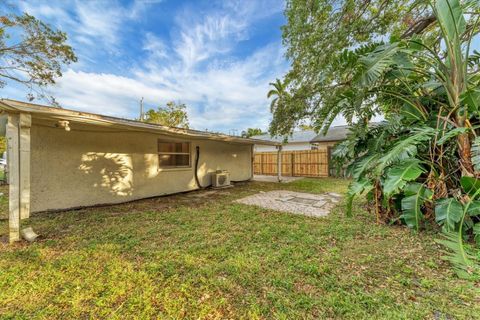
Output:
x=92 y=165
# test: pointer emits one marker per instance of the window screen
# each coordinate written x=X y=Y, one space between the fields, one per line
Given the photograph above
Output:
x=173 y=154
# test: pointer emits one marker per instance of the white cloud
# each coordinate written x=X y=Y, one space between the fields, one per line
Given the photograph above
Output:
x=219 y=98
x=155 y=46
x=198 y=67
x=88 y=23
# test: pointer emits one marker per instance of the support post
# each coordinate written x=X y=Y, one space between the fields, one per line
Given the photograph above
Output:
x=25 y=123
x=14 y=177
x=279 y=163
x=252 y=167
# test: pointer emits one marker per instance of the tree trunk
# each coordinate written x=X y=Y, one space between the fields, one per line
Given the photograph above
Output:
x=465 y=154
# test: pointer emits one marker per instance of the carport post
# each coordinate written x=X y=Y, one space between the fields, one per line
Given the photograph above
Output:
x=25 y=122
x=18 y=144
x=279 y=163
x=14 y=177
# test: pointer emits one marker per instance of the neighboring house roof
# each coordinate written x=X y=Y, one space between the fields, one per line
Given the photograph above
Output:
x=48 y=112
x=296 y=137
x=334 y=134
x=309 y=136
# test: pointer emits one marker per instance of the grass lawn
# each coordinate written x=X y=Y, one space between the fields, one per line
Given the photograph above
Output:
x=208 y=258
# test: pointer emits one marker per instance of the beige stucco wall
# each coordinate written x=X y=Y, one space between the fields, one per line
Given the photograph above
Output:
x=85 y=167
x=326 y=144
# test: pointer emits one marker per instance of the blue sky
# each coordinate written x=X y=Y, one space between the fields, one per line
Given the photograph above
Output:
x=217 y=57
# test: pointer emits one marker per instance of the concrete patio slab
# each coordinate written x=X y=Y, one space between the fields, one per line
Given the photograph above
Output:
x=262 y=178
x=314 y=205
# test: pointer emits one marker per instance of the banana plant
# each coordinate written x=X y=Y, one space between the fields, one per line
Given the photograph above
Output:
x=429 y=90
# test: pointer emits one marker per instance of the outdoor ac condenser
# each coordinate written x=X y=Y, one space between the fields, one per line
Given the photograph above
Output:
x=221 y=179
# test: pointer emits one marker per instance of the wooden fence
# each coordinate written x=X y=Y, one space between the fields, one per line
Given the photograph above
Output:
x=309 y=163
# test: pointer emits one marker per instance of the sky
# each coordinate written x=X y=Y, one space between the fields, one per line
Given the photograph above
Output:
x=217 y=57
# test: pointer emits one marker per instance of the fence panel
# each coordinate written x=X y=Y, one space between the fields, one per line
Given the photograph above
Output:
x=308 y=163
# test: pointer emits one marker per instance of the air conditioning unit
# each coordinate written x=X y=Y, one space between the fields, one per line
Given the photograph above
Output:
x=221 y=179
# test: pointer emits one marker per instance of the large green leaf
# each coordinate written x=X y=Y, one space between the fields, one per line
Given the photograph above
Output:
x=376 y=63
x=363 y=165
x=411 y=113
x=415 y=196
x=476 y=232
x=471 y=99
x=450 y=16
x=398 y=176
x=474 y=208
x=357 y=187
x=460 y=255
x=451 y=134
x=405 y=148
x=448 y=212
x=470 y=185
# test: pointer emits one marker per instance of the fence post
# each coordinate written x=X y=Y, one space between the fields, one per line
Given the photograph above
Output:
x=279 y=163
x=292 y=163
x=329 y=154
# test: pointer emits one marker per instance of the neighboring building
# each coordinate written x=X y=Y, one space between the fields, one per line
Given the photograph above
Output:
x=304 y=140
x=299 y=140
x=333 y=136
x=61 y=159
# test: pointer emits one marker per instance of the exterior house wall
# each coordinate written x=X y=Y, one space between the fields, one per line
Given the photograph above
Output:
x=325 y=145
x=88 y=166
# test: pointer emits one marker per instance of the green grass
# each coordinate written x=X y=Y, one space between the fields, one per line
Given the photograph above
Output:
x=208 y=258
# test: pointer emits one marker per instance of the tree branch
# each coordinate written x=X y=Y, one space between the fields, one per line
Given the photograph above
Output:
x=419 y=26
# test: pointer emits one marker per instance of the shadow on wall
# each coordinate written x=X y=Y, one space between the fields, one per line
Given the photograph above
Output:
x=110 y=171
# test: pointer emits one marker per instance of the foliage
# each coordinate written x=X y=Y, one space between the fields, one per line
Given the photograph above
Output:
x=250 y=132
x=319 y=35
x=420 y=166
x=423 y=161
x=3 y=145
x=31 y=51
x=172 y=115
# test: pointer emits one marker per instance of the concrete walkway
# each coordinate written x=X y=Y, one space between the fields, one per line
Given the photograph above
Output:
x=261 y=178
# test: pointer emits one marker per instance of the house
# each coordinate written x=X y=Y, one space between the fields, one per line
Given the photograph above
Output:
x=334 y=135
x=299 y=140
x=61 y=159
x=304 y=140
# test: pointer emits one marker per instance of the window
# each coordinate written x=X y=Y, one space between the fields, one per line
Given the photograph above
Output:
x=173 y=154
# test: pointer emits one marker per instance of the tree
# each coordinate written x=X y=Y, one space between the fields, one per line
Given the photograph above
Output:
x=305 y=127
x=32 y=53
x=173 y=115
x=316 y=35
x=250 y=132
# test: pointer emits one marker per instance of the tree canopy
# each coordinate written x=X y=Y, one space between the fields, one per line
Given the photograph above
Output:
x=250 y=132
x=172 y=115
x=32 y=52
x=317 y=34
